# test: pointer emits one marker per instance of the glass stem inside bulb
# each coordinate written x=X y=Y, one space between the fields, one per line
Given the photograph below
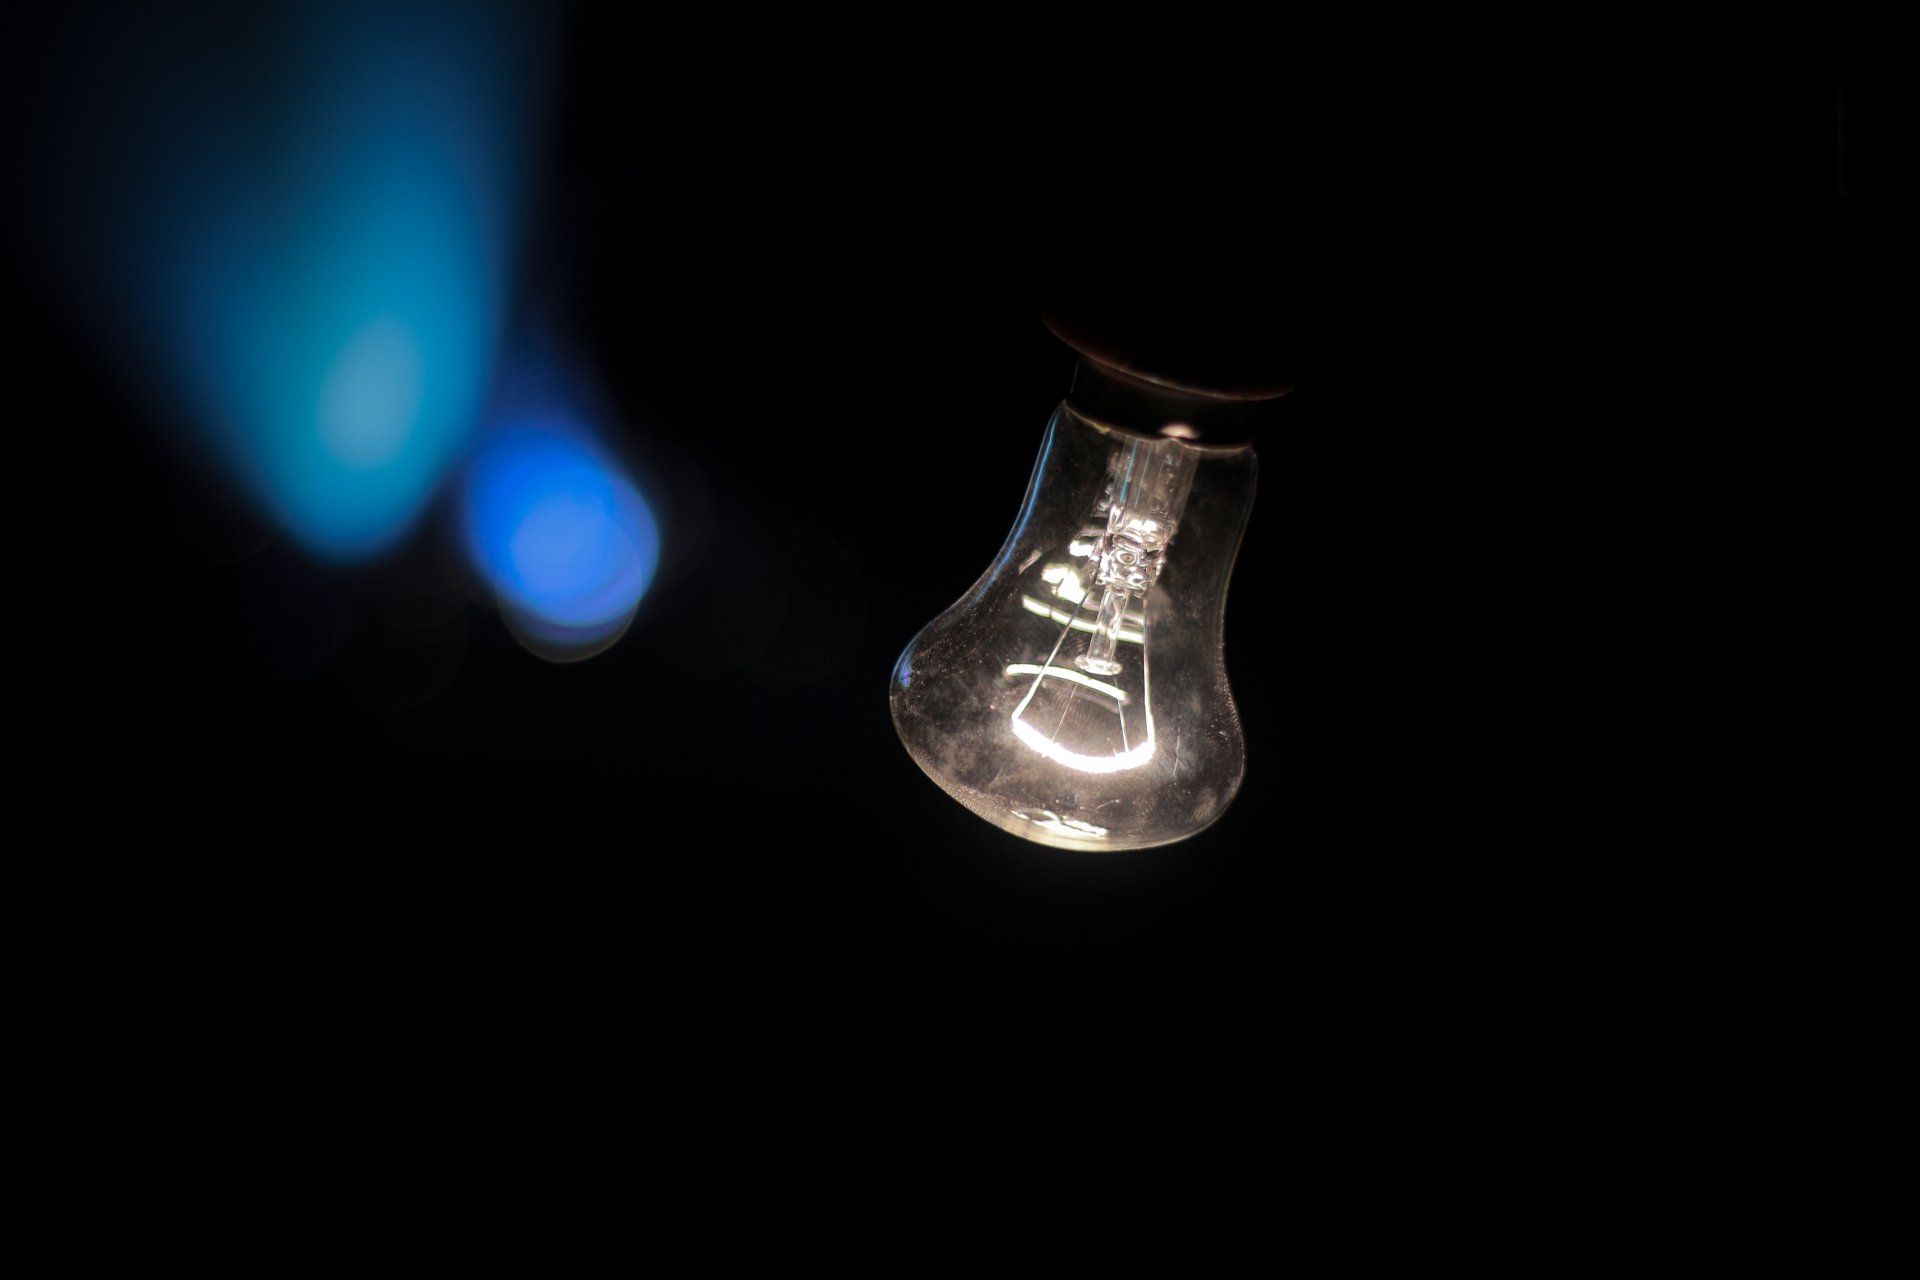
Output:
x=1105 y=640
x=1147 y=483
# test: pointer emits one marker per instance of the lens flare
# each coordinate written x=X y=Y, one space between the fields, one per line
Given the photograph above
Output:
x=564 y=538
x=303 y=227
x=370 y=396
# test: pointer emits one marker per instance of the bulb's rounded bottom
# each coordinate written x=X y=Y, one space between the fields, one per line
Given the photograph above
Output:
x=1055 y=829
x=1045 y=827
x=977 y=755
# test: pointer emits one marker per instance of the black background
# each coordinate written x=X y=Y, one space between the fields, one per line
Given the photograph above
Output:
x=806 y=267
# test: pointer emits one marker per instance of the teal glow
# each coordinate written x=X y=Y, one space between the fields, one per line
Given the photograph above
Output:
x=304 y=225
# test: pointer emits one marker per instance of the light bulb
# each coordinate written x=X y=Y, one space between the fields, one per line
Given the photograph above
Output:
x=1077 y=695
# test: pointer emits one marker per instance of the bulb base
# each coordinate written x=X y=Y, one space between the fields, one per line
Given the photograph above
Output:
x=1126 y=402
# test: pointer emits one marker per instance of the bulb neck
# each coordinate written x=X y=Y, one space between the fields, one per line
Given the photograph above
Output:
x=1126 y=402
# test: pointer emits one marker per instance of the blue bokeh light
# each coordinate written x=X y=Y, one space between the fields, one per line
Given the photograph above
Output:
x=304 y=228
x=564 y=538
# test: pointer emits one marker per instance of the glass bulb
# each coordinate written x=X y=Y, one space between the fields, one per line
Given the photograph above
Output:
x=1077 y=695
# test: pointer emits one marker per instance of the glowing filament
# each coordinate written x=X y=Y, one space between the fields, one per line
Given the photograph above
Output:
x=1073 y=759
x=1068 y=673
